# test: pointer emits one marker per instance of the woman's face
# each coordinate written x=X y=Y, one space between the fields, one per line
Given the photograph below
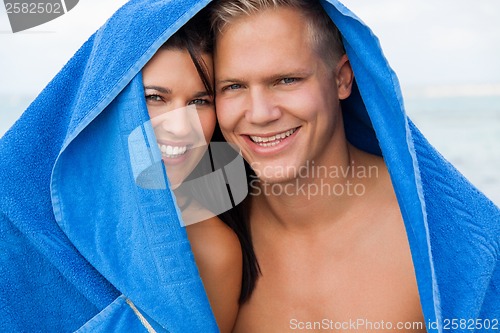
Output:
x=181 y=111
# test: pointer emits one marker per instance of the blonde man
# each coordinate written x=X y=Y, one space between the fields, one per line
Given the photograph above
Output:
x=281 y=72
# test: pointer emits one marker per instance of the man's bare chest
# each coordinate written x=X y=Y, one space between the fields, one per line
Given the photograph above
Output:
x=318 y=287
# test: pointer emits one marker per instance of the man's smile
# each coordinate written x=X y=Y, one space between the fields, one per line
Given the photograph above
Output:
x=272 y=143
x=272 y=140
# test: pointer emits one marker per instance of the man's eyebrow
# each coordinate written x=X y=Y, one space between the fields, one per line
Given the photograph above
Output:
x=292 y=74
x=159 y=89
x=225 y=81
x=274 y=77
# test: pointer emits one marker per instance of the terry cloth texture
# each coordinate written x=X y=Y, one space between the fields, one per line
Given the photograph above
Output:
x=84 y=247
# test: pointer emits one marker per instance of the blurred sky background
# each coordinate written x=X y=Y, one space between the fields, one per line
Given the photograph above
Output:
x=427 y=42
x=444 y=48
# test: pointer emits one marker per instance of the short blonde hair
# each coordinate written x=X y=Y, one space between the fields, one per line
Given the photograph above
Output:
x=324 y=36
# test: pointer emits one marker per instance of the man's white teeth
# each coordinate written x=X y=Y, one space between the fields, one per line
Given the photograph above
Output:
x=269 y=144
x=172 y=151
x=270 y=141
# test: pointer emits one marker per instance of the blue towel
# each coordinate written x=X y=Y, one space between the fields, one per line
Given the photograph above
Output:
x=84 y=247
x=452 y=228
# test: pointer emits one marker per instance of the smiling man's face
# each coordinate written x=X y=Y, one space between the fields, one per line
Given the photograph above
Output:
x=276 y=98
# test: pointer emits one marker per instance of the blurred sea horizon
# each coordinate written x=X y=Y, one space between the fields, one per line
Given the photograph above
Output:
x=466 y=131
x=462 y=123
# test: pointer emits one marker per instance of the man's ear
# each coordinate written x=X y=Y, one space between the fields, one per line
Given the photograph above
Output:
x=344 y=77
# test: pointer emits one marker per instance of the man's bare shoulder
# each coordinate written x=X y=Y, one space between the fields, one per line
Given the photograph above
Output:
x=378 y=195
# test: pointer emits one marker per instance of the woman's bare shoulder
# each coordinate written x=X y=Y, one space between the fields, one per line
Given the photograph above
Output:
x=215 y=242
x=217 y=252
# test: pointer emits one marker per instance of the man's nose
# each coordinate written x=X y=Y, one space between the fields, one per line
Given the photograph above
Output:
x=261 y=108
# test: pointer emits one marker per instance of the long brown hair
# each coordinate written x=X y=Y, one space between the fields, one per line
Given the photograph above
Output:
x=196 y=37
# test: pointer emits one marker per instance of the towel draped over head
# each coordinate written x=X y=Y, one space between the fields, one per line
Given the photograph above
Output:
x=83 y=247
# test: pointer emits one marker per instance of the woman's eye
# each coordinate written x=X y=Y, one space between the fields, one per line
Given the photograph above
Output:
x=153 y=98
x=199 y=101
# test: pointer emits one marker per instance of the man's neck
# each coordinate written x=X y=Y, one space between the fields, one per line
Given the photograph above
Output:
x=321 y=194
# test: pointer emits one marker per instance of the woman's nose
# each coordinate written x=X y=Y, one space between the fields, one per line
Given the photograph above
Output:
x=177 y=122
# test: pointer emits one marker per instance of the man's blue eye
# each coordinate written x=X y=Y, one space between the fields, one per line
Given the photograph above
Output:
x=288 y=80
x=233 y=87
